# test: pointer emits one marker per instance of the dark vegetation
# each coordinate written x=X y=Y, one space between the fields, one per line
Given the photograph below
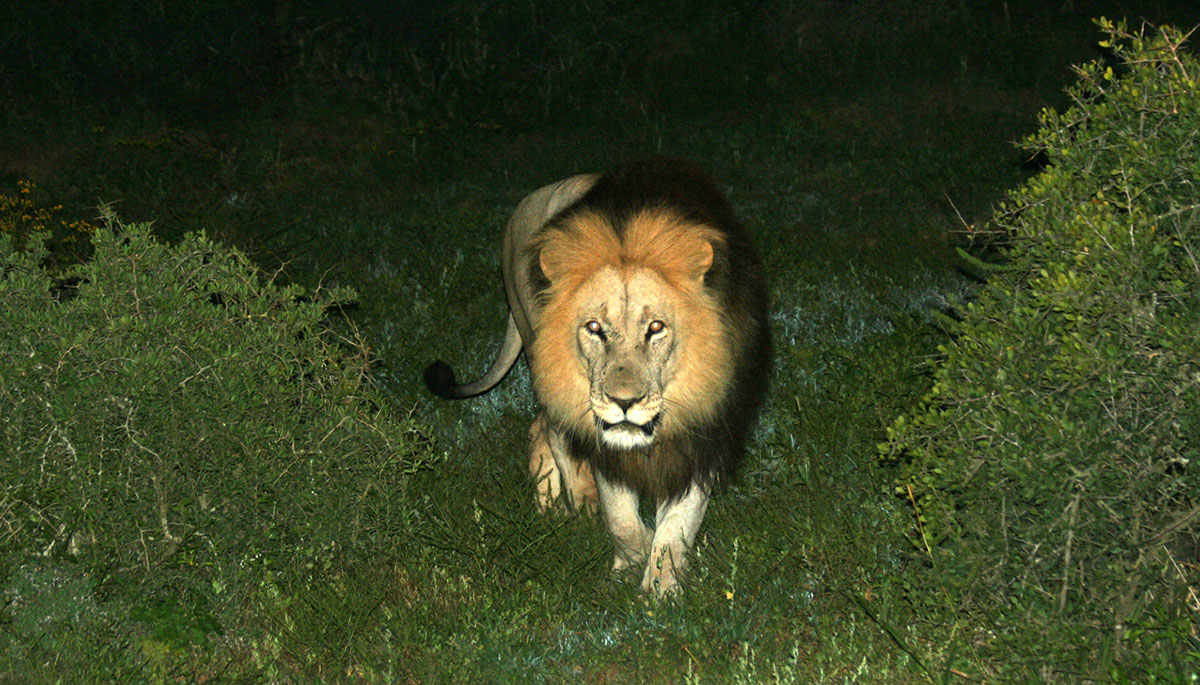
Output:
x=218 y=461
x=1051 y=466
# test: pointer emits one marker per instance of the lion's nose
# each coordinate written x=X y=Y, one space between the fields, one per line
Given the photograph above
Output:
x=625 y=403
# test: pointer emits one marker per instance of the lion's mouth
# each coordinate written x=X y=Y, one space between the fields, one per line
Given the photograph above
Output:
x=646 y=428
x=627 y=434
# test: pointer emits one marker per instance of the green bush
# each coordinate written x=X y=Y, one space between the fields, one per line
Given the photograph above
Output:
x=1053 y=467
x=22 y=212
x=174 y=429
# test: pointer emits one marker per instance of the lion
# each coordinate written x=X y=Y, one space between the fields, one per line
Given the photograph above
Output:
x=641 y=305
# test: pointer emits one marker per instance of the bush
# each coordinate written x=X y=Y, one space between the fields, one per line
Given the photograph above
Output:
x=1053 y=467
x=22 y=213
x=174 y=429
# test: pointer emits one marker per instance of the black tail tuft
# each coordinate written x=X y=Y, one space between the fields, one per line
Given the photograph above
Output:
x=440 y=380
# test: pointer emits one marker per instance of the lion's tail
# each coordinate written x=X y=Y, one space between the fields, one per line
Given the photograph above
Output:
x=440 y=379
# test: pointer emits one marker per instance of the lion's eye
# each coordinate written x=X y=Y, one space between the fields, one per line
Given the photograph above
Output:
x=655 y=328
x=594 y=328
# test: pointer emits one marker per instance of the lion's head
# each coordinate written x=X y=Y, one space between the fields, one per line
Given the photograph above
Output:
x=630 y=347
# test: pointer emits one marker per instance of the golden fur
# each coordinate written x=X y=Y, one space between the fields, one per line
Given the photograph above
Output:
x=664 y=258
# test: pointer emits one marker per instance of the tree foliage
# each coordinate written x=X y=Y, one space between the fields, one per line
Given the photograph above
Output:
x=1053 y=468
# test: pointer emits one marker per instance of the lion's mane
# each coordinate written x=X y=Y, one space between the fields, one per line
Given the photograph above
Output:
x=650 y=214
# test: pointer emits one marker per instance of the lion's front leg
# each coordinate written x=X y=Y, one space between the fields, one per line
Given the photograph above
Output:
x=630 y=536
x=555 y=471
x=676 y=524
x=542 y=467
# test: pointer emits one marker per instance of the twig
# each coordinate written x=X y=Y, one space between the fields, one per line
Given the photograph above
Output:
x=1073 y=508
x=920 y=526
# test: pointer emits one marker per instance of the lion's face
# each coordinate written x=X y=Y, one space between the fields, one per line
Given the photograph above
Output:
x=627 y=338
x=629 y=347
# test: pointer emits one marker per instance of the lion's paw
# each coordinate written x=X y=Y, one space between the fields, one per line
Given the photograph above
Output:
x=660 y=582
x=622 y=563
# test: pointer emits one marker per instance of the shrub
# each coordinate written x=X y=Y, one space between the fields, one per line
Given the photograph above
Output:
x=173 y=427
x=1053 y=467
x=22 y=214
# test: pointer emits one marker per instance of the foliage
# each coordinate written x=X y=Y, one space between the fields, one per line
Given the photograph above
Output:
x=22 y=214
x=175 y=427
x=1053 y=467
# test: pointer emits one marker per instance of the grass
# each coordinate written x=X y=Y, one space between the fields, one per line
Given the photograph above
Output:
x=853 y=193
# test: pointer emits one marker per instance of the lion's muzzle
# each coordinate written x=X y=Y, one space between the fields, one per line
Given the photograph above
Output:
x=627 y=423
x=627 y=435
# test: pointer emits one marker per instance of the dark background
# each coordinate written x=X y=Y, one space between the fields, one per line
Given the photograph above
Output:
x=515 y=63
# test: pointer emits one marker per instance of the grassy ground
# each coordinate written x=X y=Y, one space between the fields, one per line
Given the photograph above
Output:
x=854 y=193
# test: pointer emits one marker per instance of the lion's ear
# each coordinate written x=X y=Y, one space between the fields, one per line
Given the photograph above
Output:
x=578 y=247
x=701 y=261
x=551 y=267
x=706 y=257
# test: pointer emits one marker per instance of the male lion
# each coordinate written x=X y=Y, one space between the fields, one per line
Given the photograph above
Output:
x=642 y=308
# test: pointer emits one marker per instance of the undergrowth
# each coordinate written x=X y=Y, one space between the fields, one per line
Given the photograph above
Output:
x=175 y=428
x=1052 y=468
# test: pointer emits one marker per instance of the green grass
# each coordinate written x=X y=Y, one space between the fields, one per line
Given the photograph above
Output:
x=853 y=190
x=504 y=593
